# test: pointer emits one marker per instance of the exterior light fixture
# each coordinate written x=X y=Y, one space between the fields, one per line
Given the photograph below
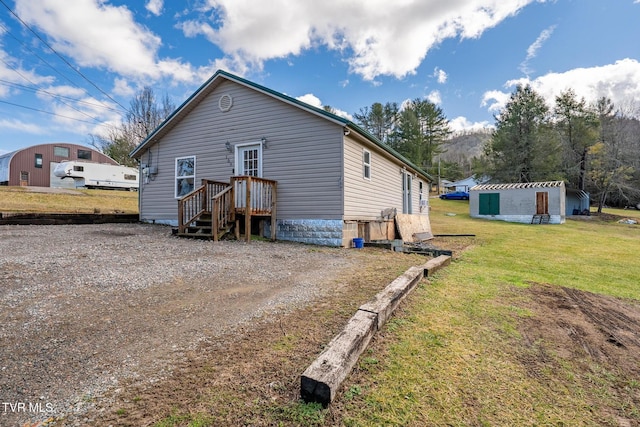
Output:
x=228 y=146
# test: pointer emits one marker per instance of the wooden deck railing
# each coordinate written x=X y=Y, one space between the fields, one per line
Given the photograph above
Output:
x=213 y=188
x=246 y=195
x=255 y=196
x=194 y=204
x=222 y=212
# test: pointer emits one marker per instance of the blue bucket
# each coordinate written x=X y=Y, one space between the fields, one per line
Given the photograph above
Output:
x=358 y=243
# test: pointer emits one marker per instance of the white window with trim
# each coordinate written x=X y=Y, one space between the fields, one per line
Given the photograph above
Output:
x=407 y=182
x=185 y=175
x=366 y=164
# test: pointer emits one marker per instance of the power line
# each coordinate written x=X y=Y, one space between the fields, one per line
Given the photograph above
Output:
x=54 y=114
x=68 y=105
x=55 y=95
x=61 y=57
x=7 y=31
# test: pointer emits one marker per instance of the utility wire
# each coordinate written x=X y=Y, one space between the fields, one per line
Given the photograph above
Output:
x=65 y=103
x=53 y=114
x=61 y=57
x=55 y=95
x=7 y=31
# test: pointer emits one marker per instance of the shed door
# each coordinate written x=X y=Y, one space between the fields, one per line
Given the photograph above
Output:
x=489 y=204
x=542 y=203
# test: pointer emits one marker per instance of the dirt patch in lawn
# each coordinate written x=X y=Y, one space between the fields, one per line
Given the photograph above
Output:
x=596 y=334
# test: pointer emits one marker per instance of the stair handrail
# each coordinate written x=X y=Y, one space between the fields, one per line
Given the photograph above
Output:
x=222 y=211
x=190 y=207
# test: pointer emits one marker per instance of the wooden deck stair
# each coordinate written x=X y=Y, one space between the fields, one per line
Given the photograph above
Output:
x=541 y=219
x=213 y=210
x=202 y=228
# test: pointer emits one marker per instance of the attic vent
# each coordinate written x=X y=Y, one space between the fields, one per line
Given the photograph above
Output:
x=225 y=102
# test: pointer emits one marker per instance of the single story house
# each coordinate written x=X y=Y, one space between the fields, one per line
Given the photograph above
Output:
x=313 y=176
x=528 y=202
x=34 y=166
x=463 y=184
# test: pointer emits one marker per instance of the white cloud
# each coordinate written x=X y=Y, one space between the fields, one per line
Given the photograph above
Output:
x=375 y=36
x=532 y=50
x=495 y=100
x=121 y=87
x=434 y=97
x=462 y=124
x=11 y=71
x=98 y=35
x=440 y=75
x=619 y=81
x=155 y=6
x=313 y=100
x=17 y=125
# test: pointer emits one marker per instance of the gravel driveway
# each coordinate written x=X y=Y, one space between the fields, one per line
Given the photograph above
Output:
x=85 y=307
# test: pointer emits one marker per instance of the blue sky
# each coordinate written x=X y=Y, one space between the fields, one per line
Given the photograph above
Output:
x=69 y=68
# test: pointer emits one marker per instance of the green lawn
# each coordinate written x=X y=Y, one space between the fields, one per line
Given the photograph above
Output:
x=448 y=359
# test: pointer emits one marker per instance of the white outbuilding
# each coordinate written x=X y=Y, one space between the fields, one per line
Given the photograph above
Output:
x=527 y=202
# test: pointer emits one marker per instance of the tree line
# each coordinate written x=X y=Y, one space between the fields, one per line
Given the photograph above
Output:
x=592 y=147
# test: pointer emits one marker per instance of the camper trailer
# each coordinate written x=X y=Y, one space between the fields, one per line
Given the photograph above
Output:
x=98 y=175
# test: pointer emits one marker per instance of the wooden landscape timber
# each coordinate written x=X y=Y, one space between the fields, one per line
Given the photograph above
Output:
x=322 y=379
x=65 y=218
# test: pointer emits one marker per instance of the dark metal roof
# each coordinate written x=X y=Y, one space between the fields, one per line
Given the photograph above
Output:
x=187 y=106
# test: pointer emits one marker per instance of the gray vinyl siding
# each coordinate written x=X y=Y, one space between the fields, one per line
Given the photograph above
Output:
x=304 y=153
x=364 y=199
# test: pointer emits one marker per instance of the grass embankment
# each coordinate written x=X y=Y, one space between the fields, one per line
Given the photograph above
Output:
x=452 y=356
x=27 y=200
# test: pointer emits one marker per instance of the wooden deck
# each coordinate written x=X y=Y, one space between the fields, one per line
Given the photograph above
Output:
x=215 y=208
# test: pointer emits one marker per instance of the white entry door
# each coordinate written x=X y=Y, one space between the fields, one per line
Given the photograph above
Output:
x=248 y=163
x=249 y=160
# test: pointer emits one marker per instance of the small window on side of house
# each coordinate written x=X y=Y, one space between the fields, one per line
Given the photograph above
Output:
x=38 y=161
x=84 y=154
x=61 y=152
x=366 y=164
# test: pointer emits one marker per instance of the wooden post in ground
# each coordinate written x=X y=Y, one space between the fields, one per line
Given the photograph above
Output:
x=247 y=211
x=181 y=227
x=274 y=196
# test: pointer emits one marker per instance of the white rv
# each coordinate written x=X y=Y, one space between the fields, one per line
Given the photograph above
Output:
x=98 y=175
